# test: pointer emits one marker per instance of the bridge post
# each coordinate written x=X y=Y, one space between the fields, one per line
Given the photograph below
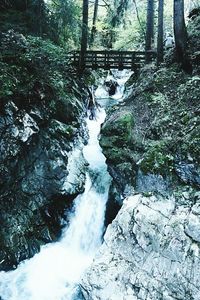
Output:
x=133 y=62
x=120 y=61
x=94 y=61
x=106 y=60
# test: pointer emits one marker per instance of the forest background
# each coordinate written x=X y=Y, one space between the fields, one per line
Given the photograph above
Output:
x=113 y=24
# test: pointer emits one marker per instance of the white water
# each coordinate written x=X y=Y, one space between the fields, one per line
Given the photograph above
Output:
x=54 y=273
x=121 y=77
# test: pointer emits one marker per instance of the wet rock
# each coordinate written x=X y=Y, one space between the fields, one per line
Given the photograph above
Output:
x=192 y=228
x=29 y=128
x=116 y=141
x=42 y=169
x=111 y=86
x=188 y=173
x=41 y=124
x=148 y=253
x=146 y=183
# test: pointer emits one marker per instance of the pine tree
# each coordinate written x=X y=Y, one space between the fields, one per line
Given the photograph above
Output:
x=180 y=33
x=160 y=31
x=149 y=27
x=84 y=38
x=93 y=31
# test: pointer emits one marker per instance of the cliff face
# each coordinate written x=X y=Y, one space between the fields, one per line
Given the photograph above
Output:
x=151 y=141
x=42 y=168
x=151 y=251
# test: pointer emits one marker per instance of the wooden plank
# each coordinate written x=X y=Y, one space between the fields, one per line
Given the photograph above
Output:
x=110 y=59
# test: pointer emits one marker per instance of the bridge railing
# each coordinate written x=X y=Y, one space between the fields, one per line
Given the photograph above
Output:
x=111 y=59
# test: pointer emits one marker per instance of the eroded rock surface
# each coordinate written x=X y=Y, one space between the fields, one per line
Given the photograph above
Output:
x=151 y=252
x=42 y=131
x=42 y=170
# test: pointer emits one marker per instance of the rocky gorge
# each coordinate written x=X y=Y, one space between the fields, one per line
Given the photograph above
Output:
x=151 y=142
x=41 y=122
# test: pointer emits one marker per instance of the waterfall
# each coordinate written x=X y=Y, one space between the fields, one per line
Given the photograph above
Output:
x=117 y=76
x=54 y=273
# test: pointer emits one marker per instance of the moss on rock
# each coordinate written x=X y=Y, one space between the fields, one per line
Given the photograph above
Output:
x=161 y=123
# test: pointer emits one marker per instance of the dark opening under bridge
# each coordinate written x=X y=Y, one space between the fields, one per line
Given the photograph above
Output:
x=110 y=59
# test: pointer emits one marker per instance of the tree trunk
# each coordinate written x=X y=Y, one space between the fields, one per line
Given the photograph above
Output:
x=149 y=27
x=138 y=18
x=84 y=38
x=93 y=31
x=180 y=32
x=160 y=32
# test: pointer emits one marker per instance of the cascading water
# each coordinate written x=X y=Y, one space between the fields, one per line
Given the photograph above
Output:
x=117 y=76
x=54 y=273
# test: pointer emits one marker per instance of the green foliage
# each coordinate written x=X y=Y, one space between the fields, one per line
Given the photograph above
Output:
x=193 y=32
x=120 y=128
x=190 y=91
x=34 y=71
x=30 y=16
x=173 y=100
x=56 y=20
x=131 y=36
x=65 y=21
x=158 y=99
x=156 y=159
x=13 y=19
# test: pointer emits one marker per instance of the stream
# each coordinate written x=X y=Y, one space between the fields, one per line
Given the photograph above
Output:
x=55 y=272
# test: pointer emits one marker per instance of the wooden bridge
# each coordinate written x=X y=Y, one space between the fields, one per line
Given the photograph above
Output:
x=111 y=59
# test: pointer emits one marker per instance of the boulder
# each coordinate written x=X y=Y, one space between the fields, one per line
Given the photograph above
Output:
x=150 y=252
x=111 y=86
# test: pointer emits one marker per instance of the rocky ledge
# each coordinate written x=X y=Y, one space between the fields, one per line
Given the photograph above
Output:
x=150 y=251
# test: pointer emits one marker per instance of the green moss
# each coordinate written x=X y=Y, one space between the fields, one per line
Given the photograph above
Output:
x=157 y=159
x=108 y=142
x=189 y=92
x=120 y=127
x=117 y=155
x=162 y=125
x=58 y=128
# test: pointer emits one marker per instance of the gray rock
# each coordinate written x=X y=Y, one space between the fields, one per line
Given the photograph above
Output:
x=38 y=178
x=151 y=183
x=192 y=228
x=150 y=252
x=188 y=173
x=29 y=128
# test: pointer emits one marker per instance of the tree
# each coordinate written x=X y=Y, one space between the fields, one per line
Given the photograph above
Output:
x=38 y=17
x=149 y=27
x=138 y=17
x=160 y=31
x=64 y=17
x=84 y=38
x=115 y=18
x=180 y=33
x=93 y=31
